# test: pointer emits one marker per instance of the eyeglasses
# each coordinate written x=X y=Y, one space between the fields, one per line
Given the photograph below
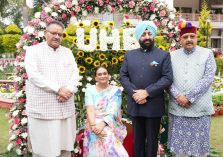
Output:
x=56 y=34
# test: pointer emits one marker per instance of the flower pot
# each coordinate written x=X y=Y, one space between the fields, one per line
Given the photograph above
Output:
x=216 y=112
x=6 y=103
x=220 y=112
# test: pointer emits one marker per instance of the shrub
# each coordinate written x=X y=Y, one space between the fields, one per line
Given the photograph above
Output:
x=1 y=47
x=1 y=31
x=219 y=62
x=13 y=29
x=9 y=42
x=71 y=30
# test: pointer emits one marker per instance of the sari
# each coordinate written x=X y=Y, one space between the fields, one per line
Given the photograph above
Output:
x=107 y=104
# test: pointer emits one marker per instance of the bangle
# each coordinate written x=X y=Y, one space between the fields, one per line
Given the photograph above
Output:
x=92 y=124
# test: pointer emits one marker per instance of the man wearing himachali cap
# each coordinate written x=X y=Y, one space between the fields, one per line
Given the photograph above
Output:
x=145 y=73
x=191 y=101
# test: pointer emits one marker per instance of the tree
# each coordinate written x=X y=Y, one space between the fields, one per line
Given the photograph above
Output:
x=205 y=26
x=4 y=3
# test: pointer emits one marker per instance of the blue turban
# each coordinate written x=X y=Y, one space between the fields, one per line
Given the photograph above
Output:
x=145 y=25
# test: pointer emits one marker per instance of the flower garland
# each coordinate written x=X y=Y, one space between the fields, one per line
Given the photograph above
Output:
x=154 y=10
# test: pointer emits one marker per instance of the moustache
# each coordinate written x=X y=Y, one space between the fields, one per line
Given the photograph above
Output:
x=189 y=42
x=147 y=40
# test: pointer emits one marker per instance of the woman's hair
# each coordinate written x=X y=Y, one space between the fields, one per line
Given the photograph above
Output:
x=99 y=67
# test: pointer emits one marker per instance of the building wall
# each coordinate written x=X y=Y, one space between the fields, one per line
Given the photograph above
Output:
x=194 y=4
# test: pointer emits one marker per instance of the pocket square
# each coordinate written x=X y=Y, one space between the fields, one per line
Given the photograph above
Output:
x=154 y=64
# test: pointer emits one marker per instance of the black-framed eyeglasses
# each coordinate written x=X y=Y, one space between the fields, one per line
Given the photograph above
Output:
x=55 y=33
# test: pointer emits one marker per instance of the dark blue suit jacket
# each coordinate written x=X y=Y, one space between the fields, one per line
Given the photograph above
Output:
x=146 y=70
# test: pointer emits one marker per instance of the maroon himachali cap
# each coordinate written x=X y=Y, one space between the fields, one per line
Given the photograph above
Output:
x=186 y=27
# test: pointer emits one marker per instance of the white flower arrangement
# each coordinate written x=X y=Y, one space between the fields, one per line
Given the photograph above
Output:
x=129 y=40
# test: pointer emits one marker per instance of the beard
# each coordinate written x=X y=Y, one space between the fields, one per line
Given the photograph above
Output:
x=147 y=44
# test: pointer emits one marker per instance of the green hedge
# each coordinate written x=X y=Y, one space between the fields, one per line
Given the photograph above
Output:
x=219 y=62
x=9 y=42
x=13 y=29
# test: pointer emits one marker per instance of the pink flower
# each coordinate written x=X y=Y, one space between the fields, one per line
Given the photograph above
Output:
x=162 y=13
x=64 y=16
x=49 y=19
x=56 y=7
x=72 y=13
x=131 y=4
x=24 y=88
x=77 y=9
x=43 y=14
x=170 y=34
x=55 y=2
x=23 y=54
x=172 y=48
x=24 y=112
x=164 y=22
x=17 y=132
x=156 y=23
x=25 y=76
x=119 y=2
x=82 y=1
x=155 y=1
x=145 y=9
x=107 y=1
x=18 y=141
x=35 y=42
x=152 y=8
x=100 y=2
x=25 y=36
x=89 y=8
x=68 y=4
x=22 y=100
x=16 y=120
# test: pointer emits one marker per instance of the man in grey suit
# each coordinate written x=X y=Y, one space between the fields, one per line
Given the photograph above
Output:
x=145 y=73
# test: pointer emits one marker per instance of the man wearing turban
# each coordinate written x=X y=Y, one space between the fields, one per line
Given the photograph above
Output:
x=145 y=73
x=191 y=100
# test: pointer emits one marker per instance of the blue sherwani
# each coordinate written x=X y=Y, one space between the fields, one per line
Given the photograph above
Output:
x=150 y=70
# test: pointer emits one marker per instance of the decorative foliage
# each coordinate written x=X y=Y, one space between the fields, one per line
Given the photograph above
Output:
x=205 y=26
x=82 y=41
x=13 y=29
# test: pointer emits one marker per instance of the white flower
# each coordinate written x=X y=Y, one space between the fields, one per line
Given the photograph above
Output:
x=76 y=150
x=14 y=127
x=25 y=47
x=24 y=121
x=30 y=30
x=37 y=15
x=12 y=137
x=63 y=7
x=18 y=151
x=84 y=13
x=60 y=1
x=47 y=9
x=121 y=88
x=10 y=146
x=24 y=135
x=15 y=113
x=74 y=2
x=96 y=10
x=152 y=17
x=129 y=40
x=113 y=83
x=22 y=64
x=79 y=84
x=41 y=33
x=172 y=16
x=83 y=90
x=19 y=94
x=42 y=24
x=54 y=14
x=88 y=85
x=89 y=79
x=109 y=8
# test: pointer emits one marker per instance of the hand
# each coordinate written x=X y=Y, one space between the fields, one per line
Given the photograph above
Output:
x=142 y=102
x=183 y=101
x=65 y=93
x=140 y=95
x=98 y=128
x=102 y=134
x=61 y=99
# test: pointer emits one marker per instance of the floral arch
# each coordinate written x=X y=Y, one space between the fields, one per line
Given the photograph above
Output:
x=154 y=10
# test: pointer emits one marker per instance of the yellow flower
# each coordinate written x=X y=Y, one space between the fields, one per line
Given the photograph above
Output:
x=74 y=40
x=102 y=56
x=80 y=53
x=95 y=23
x=122 y=51
x=87 y=40
x=121 y=58
x=114 y=60
x=162 y=47
x=65 y=35
x=98 y=47
x=111 y=23
x=82 y=69
x=97 y=63
x=80 y=24
x=104 y=64
x=88 y=60
x=127 y=23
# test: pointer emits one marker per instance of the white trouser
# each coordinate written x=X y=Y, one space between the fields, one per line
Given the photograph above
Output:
x=63 y=154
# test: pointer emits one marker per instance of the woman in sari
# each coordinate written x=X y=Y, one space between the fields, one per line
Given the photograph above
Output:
x=104 y=131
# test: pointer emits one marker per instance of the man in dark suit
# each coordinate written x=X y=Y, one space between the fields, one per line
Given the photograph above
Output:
x=145 y=73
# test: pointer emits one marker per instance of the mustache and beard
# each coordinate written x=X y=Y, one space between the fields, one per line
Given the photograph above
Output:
x=147 y=44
